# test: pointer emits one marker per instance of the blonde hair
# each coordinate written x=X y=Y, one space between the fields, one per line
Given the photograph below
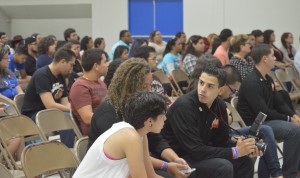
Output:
x=238 y=40
x=128 y=79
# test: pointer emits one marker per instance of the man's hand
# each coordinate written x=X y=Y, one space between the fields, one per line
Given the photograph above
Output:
x=59 y=93
x=174 y=169
x=295 y=119
x=246 y=146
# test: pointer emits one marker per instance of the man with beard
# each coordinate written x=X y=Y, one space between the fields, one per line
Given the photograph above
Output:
x=47 y=88
x=30 y=63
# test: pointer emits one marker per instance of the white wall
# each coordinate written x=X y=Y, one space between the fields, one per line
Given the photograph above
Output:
x=4 y=23
x=27 y=27
x=242 y=16
x=108 y=19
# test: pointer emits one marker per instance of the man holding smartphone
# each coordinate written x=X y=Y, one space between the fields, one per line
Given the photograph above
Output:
x=197 y=130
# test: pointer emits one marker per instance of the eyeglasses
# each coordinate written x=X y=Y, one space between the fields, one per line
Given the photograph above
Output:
x=233 y=91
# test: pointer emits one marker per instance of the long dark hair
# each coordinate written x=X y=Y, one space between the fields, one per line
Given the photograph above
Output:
x=4 y=72
x=267 y=36
x=169 y=46
x=189 y=49
x=283 y=37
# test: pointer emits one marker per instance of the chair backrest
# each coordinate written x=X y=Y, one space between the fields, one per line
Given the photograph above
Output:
x=17 y=126
x=12 y=110
x=181 y=80
x=19 y=99
x=282 y=76
x=235 y=115
x=234 y=101
x=4 y=173
x=81 y=148
x=51 y=120
x=47 y=156
x=164 y=80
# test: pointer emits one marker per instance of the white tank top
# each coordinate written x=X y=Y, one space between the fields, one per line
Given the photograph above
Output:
x=97 y=165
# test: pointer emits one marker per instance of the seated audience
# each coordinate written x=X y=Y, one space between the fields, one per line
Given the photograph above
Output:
x=257 y=94
x=194 y=49
x=99 y=43
x=156 y=41
x=89 y=91
x=16 y=42
x=171 y=56
x=132 y=76
x=70 y=34
x=137 y=43
x=125 y=39
x=121 y=52
x=46 y=50
x=287 y=47
x=30 y=62
x=111 y=70
x=148 y=53
x=9 y=84
x=182 y=37
x=17 y=64
x=222 y=50
x=211 y=38
x=122 y=150
x=85 y=44
x=259 y=36
x=47 y=89
x=268 y=163
x=197 y=129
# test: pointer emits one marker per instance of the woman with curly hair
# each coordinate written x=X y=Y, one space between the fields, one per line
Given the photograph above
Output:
x=132 y=76
x=46 y=50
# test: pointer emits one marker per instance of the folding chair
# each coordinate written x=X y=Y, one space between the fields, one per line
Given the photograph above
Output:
x=181 y=80
x=12 y=110
x=5 y=173
x=19 y=99
x=234 y=101
x=16 y=126
x=81 y=148
x=164 y=80
x=284 y=76
x=53 y=120
x=41 y=158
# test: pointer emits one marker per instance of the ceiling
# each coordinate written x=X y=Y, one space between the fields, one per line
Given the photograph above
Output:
x=48 y=11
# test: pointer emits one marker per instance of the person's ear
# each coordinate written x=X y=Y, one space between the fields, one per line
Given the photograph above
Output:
x=221 y=90
x=148 y=122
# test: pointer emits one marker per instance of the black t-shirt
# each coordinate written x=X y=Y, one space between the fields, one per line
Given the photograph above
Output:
x=30 y=65
x=42 y=81
x=105 y=116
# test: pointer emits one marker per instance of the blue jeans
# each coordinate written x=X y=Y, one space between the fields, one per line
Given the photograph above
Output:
x=66 y=136
x=268 y=163
x=289 y=133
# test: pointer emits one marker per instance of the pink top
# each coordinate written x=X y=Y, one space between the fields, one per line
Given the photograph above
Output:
x=222 y=55
x=109 y=157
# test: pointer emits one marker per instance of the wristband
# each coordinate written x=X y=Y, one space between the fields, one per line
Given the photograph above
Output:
x=166 y=166
x=236 y=153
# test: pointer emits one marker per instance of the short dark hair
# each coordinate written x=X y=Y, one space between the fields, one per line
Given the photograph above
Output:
x=232 y=74
x=258 y=51
x=21 y=49
x=119 y=51
x=68 y=32
x=257 y=33
x=225 y=34
x=69 y=44
x=44 y=44
x=122 y=33
x=2 y=33
x=217 y=72
x=90 y=57
x=137 y=43
x=98 y=41
x=143 y=105
x=143 y=52
x=178 y=34
x=63 y=53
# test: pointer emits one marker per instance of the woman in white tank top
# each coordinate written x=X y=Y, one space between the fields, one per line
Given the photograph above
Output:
x=122 y=151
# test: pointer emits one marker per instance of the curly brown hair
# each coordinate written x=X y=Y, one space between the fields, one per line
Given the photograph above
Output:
x=128 y=79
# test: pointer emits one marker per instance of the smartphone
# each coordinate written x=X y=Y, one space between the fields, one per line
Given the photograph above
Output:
x=5 y=106
x=188 y=171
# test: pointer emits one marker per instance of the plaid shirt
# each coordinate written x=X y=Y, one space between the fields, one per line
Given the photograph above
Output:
x=189 y=63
